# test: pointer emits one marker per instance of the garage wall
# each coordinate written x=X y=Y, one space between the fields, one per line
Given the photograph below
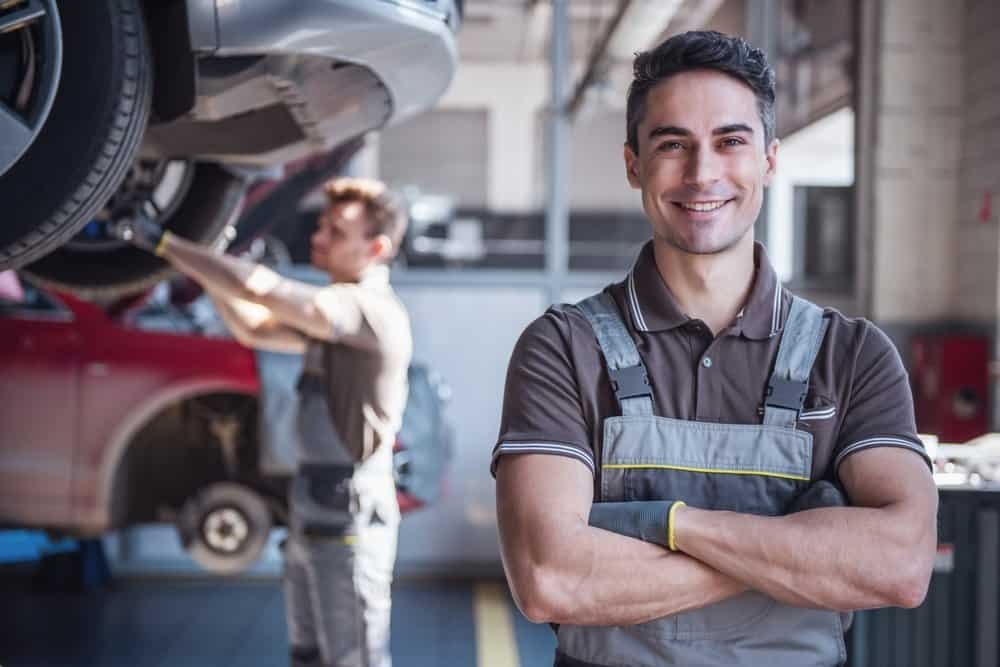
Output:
x=917 y=160
x=458 y=535
x=512 y=94
x=466 y=334
x=443 y=151
x=597 y=171
x=976 y=296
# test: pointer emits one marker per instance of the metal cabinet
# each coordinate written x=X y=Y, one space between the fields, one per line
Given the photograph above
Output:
x=957 y=625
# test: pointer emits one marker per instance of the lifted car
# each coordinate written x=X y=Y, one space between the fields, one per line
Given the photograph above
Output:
x=115 y=419
x=112 y=108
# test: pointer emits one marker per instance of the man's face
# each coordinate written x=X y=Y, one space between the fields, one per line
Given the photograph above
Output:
x=340 y=244
x=702 y=163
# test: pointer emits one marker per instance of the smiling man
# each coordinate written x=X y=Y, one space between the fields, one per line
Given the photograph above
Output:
x=696 y=467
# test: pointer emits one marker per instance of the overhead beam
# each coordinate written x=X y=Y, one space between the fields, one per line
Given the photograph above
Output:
x=634 y=26
x=596 y=63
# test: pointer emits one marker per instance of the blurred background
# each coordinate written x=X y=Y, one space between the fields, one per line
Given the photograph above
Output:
x=509 y=158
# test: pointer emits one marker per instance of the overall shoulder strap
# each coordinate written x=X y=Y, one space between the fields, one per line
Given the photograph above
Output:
x=800 y=341
x=629 y=379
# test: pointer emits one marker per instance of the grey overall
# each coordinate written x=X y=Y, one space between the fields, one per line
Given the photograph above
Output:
x=341 y=547
x=751 y=468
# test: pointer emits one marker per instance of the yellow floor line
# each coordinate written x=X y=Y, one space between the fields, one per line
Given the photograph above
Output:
x=495 y=643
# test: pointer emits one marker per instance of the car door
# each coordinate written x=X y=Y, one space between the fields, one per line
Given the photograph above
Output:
x=39 y=380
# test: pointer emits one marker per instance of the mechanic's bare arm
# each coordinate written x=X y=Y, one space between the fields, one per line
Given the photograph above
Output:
x=878 y=553
x=255 y=326
x=307 y=308
x=561 y=570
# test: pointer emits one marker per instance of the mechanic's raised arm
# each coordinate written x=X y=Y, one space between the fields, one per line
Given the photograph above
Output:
x=562 y=570
x=314 y=311
x=255 y=326
x=879 y=551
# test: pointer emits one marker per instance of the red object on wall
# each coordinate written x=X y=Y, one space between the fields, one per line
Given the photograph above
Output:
x=950 y=376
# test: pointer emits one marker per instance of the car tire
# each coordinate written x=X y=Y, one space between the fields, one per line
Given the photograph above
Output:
x=211 y=204
x=90 y=137
x=225 y=527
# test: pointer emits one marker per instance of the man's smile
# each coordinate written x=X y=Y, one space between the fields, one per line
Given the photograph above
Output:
x=701 y=210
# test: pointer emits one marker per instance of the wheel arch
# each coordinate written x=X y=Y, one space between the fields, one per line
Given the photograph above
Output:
x=127 y=432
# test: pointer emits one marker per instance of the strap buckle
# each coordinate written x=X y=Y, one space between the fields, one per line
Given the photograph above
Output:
x=786 y=394
x=630 y=382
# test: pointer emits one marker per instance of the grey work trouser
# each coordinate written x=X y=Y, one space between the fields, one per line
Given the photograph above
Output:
x=337 y=596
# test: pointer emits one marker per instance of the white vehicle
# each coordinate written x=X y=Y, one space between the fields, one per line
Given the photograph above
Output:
x=111 y=108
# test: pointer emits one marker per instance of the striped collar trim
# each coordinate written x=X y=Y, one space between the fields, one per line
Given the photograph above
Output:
x=776 y=310
x=760 y=317
x=633 y=301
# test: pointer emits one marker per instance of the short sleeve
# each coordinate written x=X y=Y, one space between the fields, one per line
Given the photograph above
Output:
x=880 y=403
x=542 y=411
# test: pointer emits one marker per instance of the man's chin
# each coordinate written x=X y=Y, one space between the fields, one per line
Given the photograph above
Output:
x=700 y=245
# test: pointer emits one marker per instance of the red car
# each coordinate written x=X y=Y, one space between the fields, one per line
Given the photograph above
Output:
x=107 y=423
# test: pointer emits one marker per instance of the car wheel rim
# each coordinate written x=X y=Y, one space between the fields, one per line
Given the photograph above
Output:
x=225 y=530
x=154 y=189
x=30 y=65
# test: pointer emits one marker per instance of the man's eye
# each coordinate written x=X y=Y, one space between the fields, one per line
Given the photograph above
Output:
x=670 y=146
x=732 y=141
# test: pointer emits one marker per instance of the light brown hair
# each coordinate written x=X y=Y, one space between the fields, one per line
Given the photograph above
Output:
x=383 y=210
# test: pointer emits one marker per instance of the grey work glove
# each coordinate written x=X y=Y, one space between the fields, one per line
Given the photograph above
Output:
x=648 y=521
x=816 y=495
x=140 y=232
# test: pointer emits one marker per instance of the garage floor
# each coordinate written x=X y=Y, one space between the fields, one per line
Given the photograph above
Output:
x=171 y=623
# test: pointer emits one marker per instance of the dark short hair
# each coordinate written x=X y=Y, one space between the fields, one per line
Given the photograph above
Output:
x=694 y=50
x=384 y=212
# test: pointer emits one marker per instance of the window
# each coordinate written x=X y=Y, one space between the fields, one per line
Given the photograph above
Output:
x=824 y=257
x=810 y=212
x=30 y=301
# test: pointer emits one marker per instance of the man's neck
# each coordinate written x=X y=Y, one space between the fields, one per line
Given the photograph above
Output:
x=711 y=288
x=373 y=273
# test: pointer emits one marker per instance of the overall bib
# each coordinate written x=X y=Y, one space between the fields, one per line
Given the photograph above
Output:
x=751 y=468
x=341 y=548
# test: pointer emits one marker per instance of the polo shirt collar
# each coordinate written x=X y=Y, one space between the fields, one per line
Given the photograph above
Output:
x=375 y=276
x=653 y=308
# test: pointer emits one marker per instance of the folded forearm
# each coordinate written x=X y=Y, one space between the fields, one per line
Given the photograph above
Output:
x=600 y=578
x=832 y=558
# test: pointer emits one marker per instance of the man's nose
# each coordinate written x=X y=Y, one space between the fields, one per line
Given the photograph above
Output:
x=703 y=169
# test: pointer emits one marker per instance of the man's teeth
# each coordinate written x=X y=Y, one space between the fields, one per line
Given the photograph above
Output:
x=703 y=206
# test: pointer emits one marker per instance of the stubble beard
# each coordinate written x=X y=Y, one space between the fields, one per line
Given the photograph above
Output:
x=675 y=240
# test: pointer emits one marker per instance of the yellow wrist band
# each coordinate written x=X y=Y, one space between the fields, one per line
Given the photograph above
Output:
x=161 y=247
x=671 y=544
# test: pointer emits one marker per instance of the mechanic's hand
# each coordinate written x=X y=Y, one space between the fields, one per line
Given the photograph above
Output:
x=140 y=232
x=816 y=495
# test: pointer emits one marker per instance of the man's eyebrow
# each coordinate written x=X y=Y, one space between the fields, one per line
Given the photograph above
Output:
x=733 y=128
x=673 y=130
x=664 y=130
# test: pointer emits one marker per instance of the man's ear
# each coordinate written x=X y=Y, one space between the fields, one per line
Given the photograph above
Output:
x=771 y=155
x=632 y=167
x=382 y=247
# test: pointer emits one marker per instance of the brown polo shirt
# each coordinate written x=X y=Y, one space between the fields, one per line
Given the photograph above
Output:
x=367 y=361
x=558 y=393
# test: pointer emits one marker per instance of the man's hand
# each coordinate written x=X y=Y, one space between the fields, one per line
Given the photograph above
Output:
x=140 y=232
x=816 y=495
